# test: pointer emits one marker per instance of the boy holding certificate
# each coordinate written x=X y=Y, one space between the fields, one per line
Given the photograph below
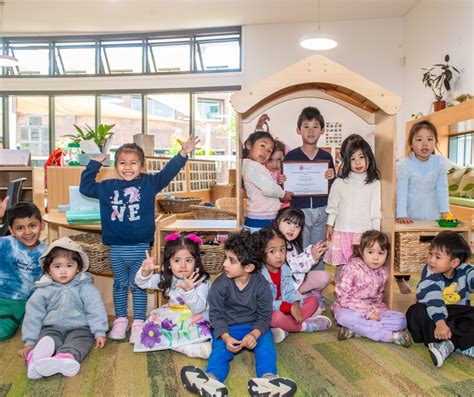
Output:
x=310 y=127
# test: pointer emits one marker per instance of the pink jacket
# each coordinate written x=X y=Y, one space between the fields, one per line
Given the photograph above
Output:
x=360 y=288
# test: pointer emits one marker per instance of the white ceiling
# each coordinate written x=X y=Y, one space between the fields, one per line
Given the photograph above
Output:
x=95 y=16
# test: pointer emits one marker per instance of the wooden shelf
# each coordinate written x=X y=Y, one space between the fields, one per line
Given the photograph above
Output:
x=33 y=188
x=429 y=226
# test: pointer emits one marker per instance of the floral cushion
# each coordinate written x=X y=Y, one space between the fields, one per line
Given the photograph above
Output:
x=466 y=186
x=455 y=175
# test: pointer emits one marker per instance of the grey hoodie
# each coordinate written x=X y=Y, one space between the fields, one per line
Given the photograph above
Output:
x=64 y=306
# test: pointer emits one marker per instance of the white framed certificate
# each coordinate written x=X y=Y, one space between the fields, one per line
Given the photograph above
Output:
x=306 y=178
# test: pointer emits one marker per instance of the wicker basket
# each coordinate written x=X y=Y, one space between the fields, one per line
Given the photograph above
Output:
x=203 y=212
x=98 y=253
x=172 y=205
x=220 y=190
x=212 y=257
x=411 y=250
x=227 y=203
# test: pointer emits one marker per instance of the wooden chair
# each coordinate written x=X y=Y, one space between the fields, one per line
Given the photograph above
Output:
x=14 y=192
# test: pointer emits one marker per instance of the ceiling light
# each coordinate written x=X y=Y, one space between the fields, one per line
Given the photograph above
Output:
x=5 y=60
x=318 y=41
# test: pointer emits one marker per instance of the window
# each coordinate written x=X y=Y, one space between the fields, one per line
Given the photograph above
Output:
x=2 y=134
x=33 y=59
x=75 y=58
x=461 y=149
x=217 y=53
x=166 y=55
x=210 y=109
x=120 y=57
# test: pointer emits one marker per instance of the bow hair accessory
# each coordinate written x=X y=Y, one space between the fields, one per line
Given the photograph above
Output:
x=172 y=236
x=194 y=238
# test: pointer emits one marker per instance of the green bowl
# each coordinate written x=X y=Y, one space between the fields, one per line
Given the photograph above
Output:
x=445 y=223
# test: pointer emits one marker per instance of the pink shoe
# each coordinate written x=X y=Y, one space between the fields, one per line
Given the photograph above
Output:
x=61 y=363
x=43 y=349
x=137 y=326
x=318 y=323
x=119 y=328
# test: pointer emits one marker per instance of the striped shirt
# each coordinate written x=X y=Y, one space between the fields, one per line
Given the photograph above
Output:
x=436 y=291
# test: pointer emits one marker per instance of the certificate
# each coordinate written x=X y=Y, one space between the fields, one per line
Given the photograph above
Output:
x=306 y=178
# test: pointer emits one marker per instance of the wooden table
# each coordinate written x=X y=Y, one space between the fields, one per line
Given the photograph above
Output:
x=58 y=226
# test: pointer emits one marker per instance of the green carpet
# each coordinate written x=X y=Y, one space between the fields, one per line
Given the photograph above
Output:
x=319 y=364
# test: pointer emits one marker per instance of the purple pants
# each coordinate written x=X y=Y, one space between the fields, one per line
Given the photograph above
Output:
x=382 y=330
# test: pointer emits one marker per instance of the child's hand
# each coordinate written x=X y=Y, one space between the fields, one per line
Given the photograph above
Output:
x=374 y=316
x=262 y=121
x=148 y=265
x=3 y=206
x=329 y=230
x=231 y=344
x=281 y=179
x=188 y=146
x=250 y=340
x=442 y=331
x=404 y=219
x=318 y=249
x=296 y=312
x=287 y=197
x=100 y=158
x=24 y=350
x=100 y=342
x=190 y=282
x=329 y=174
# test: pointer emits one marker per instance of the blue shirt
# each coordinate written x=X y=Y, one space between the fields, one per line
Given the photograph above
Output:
x=127 y=208
x=19 y=268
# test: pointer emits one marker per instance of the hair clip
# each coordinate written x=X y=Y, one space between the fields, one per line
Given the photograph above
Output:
x=194 y=238
x=172 y=236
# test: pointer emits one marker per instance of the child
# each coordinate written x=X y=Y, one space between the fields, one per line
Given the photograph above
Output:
x=65 y=315
x=291 y=312
x=359 y=308
x=354 y=202
x=240 y=304
x=290 y=222
x=442 y=318
x=20 y=266
x=275 y=162
x=263 y=192
x=182 y=324
x=422 y=177
x=310 y=127
x=127 y=208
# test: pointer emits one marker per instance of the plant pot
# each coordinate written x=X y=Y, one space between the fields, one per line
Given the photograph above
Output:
x=439 y=105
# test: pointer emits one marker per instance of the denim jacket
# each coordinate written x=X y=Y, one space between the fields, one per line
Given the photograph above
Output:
x=287 y=287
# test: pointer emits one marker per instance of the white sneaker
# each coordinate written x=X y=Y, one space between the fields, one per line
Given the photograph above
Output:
x=279 y=335
x=59 y=364
x=43 y=349
x=271 y=386
x=199 y=350
x=198 y=382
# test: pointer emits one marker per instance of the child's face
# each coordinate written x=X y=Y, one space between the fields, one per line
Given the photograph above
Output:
x=182 y=264
x=129 y=166
x=27 y=231
x=359 y=162
x=290 y=230
x=233 y=267
x=274 y=164
x=310 y=131
x=440 y=262
x=423 y=144
x=261 y=150
x=63 y=270
x=275 y=254
x=374 y=256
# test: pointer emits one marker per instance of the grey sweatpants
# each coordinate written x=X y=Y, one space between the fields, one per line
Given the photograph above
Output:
x=77 y=342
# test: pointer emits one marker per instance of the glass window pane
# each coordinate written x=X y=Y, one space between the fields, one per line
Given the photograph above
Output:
x=168 y=120
x=72 y=110
x=218 y=55
x=75 y=59
x=119 y=110
x=2 y=134
x=29 y=125
x=33 y=59
x=122 y=57
x=169 y=56
x=216 y=128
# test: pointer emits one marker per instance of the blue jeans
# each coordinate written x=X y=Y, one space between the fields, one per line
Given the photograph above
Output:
x=265 y=354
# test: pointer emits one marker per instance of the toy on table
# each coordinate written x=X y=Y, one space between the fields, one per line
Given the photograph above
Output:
x=448 y=220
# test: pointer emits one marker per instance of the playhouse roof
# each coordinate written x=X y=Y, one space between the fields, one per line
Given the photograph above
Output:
x=318 y=73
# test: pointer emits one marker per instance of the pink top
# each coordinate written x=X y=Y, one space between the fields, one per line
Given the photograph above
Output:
x=360 y=288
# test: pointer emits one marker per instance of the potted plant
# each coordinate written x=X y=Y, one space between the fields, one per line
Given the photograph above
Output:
x=96 y=141
x=438 y=78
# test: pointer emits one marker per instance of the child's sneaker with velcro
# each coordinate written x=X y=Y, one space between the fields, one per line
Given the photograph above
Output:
x=345 y=333
x=271 y=385
x=279 y=335
x=198 y=382
x=402 y=338
x=43 y=349
x=440 y=351
x=466 y=352
x=119 y=328
x=61 y=363
x=317 y=323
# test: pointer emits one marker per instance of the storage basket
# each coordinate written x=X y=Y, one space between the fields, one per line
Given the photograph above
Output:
x=227 y=203
x=98 y=253
x=411 y=250
x=204 y=212
x=212 y=257
x=181 y=204
x=220 y=190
